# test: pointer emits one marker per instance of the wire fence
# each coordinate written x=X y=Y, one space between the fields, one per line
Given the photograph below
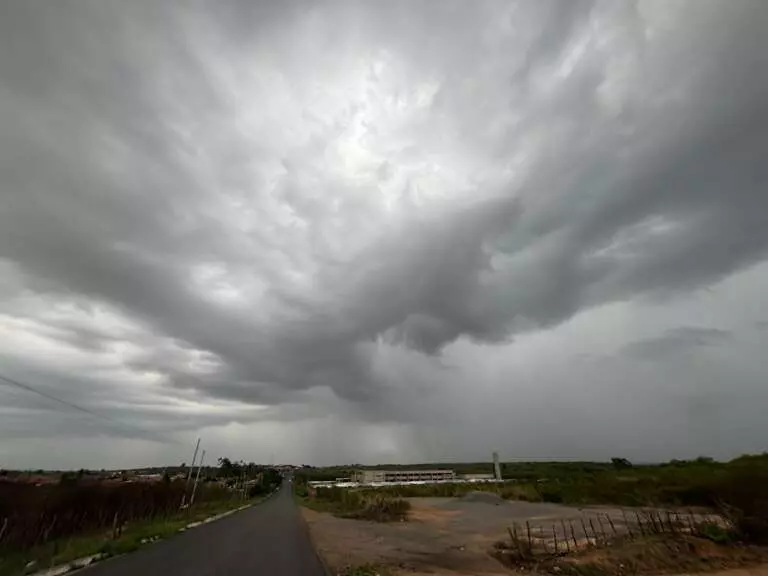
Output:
x=564 y=536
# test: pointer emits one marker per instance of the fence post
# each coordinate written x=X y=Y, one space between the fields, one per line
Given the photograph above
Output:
x=530 y=542
x=602 y=527
x=516 y=539
x=573 y=535
x=554 y=537
x=639 y=524
x=591 y=525
x=584 y=527
x=626 y=523
x=565 y=536
x=652 y=518
x=669 y=522
x=48 y=530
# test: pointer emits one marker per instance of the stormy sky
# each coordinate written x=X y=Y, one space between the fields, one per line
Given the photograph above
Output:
x=350 y=231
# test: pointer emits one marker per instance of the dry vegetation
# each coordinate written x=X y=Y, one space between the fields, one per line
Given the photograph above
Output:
x=81 y=515
x=683 y=516
x=360 y=505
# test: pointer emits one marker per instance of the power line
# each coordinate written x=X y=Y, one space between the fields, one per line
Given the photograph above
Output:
x=79 y=408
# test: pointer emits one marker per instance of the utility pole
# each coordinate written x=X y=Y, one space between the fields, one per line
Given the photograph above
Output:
x=189 y=474
x=197 y=477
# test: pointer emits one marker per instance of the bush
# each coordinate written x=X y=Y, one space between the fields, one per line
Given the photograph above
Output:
x=550 y=493
x=38 y=514
x=384 y=509
x=365 y=506
x=714 y=532
x=742 y=497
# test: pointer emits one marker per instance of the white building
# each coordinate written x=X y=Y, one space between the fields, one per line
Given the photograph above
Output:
x=399 y=476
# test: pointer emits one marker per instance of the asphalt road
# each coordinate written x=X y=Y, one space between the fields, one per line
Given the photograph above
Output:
x=269 y=538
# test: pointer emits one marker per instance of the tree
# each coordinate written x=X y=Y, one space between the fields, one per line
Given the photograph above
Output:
x=227 y=468
x=621 y=463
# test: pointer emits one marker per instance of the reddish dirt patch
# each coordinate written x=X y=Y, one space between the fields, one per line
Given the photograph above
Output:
x=423 y=545
x=431 y=515
x=450 y=537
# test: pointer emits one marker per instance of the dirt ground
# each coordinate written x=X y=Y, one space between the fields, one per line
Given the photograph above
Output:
x=453 y=537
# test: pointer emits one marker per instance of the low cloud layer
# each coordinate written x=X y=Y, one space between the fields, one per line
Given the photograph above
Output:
x=250 y=215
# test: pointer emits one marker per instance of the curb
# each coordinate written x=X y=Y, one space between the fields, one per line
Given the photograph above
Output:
x=71 y=566
x=214 y=518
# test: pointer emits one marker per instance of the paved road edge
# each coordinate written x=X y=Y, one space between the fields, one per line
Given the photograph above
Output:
x=305 y=525
x=86 y=561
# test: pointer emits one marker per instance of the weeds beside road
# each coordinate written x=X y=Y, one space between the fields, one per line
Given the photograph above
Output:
x=356 y=504
x=44 y=525
x=132 y=537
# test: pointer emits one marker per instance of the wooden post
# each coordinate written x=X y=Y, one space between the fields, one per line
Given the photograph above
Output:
x=554 y=537
x=573 y=535
x=602 y=527
x=530 y=542
x=49 y=529
x=627 y=523
x=639 y=523
x=565 y=536
x=517 y=540
x=584 y=527
x=669 y=522
x=613 y=528
x=656 y=521
x=594 y=533
x=514 y=539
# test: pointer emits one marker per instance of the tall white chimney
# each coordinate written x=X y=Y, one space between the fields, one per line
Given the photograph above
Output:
x=496 y=467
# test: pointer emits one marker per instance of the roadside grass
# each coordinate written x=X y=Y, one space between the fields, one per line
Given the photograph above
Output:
x=366 y=570
x=656 y=554
x=133 y=536
x=318 y=505
x=359 y=505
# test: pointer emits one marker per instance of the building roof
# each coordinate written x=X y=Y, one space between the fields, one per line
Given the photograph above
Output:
x=438 y=471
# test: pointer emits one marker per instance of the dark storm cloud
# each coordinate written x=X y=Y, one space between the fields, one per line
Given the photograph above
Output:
x=174 y=162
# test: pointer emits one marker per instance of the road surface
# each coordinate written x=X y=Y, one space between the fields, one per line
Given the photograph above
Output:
x=269 y=538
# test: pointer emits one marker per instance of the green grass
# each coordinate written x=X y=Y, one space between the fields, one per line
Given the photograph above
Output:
x=133 y=537
x=317 y=505
x=358 y=504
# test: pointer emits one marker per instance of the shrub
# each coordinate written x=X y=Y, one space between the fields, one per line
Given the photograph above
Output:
x=742 y=496
x=714 y=532
x=38 y=514
x=365 y=506
x=384 y=509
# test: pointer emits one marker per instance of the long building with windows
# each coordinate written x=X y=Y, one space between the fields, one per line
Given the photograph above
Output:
x=398 y=476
